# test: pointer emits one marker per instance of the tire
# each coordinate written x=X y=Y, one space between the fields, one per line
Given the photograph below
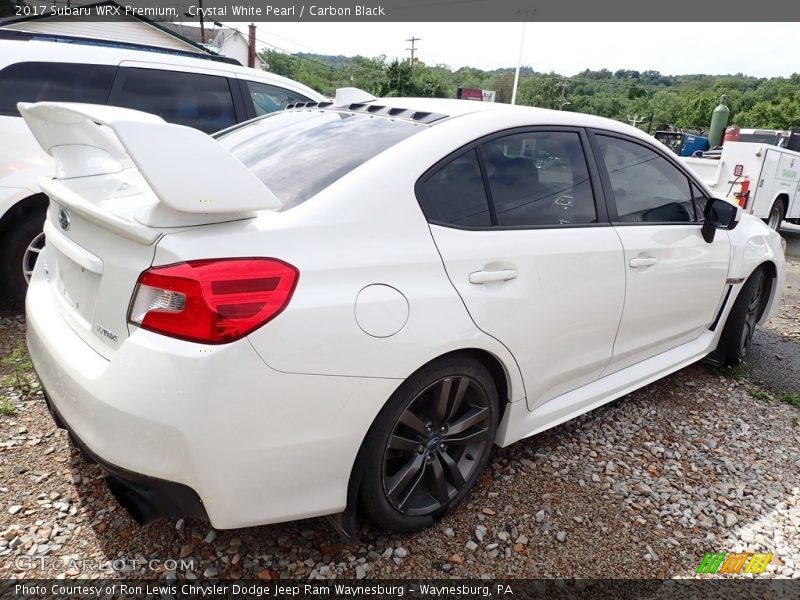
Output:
x=429 y=468
x=746 y=312
x=776 y=215
x=15 y=247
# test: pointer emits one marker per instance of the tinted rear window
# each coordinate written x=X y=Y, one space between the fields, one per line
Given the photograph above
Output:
x=297 y=154
x=55 y=82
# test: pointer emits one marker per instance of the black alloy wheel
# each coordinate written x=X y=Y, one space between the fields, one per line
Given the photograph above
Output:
x=432 y=450
x=429 y=444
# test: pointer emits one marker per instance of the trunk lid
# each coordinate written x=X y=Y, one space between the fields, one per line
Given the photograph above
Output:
x=95 y=253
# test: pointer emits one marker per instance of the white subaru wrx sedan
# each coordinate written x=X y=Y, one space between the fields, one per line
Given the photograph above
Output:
x=352 y=302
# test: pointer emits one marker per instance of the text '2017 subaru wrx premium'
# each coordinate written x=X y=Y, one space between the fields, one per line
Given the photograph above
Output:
x=352 y=302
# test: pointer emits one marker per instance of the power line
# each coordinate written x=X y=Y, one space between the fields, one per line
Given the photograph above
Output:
x=295 y=42
x=298 y=56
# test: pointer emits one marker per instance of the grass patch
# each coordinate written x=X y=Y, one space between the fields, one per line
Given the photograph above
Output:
x=737 y=372
x=759 y=394
x=7 y=408
x=791 y=399
x=17 y=358
x=20 y=367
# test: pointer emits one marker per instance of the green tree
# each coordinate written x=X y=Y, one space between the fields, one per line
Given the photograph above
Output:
x=397 y=80
x=683 y=100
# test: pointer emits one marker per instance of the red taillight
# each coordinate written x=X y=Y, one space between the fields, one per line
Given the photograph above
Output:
x=212 y=301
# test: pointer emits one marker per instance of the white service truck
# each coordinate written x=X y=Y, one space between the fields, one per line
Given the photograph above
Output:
x=762 y=179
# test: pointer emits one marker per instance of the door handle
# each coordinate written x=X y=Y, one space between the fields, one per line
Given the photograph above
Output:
x=638 y=263
x=488 y=276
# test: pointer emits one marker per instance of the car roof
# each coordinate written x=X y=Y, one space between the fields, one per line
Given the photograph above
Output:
x=451 y=108
x=33 y=50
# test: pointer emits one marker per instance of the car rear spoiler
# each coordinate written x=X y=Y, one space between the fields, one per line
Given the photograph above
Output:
x=188 y=171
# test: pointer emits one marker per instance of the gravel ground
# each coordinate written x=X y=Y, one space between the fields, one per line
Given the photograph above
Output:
x=702 y=461
x=775 y=353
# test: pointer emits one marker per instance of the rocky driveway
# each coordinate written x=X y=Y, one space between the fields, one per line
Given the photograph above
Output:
x=775 y=355
x=702 y=461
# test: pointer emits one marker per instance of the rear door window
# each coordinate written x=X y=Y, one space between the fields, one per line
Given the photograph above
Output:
x=539 y=179
x=192 y=99
x=55 y=82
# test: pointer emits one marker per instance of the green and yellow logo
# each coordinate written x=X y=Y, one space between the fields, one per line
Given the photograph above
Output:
x=742 y=562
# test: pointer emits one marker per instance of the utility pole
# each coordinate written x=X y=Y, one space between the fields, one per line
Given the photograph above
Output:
x=251 y=46
x=413 y=48
x=202 y=26
x=519 y=63
x=563 y=101
x=635 y=120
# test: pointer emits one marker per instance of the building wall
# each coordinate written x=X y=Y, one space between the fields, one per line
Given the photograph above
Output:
x=234 y=45
x=128 y=30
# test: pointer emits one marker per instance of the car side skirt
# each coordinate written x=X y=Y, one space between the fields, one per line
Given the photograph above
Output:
x=518 y=423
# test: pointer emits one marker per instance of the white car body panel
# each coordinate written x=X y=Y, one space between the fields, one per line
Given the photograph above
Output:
x=675 y=299
x=753 y=244
x=398 y=252
x=579 y=321
x=518 y=424
x=267 y=428
x=137 y=422
x=22 y=160
x=10 y=196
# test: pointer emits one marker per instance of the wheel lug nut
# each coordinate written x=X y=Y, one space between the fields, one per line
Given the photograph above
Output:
x=420 y=448
x=442 y=446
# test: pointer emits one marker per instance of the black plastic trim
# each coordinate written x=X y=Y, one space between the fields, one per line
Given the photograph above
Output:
x=242 y=103
x=376 y=109
x=721 y=309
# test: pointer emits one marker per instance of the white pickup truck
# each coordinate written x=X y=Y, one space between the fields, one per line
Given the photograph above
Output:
x=763 y=179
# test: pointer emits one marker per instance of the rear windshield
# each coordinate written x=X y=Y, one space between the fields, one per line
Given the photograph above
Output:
x=297 y=154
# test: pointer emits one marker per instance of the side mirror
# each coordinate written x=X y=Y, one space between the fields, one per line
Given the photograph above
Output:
x=719 y=214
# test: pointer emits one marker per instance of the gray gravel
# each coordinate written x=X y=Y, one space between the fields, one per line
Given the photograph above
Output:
x=775 y=355
x=705 y=460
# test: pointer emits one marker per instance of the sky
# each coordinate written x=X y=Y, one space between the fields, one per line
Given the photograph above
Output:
x=759 y=49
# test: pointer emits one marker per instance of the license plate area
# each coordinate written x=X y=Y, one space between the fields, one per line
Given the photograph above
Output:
x=76 y=286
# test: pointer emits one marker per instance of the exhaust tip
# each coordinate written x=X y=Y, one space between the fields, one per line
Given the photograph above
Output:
x=135 y=500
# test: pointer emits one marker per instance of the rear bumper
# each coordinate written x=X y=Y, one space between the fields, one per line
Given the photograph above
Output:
x=146 y=498
x=255 y=445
